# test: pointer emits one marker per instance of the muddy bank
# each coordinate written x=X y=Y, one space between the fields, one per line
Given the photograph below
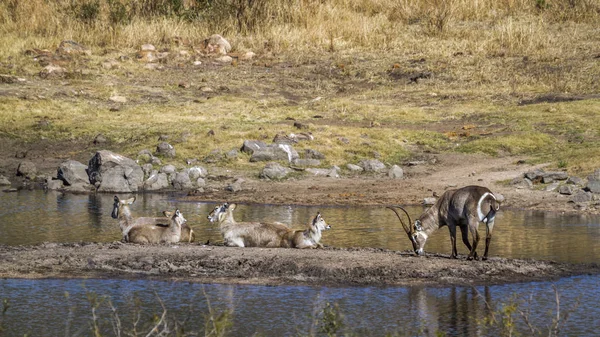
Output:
x=218 y=264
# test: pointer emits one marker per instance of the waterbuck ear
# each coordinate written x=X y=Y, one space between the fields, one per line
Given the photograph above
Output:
x=231 y=206
x=116 y=199
x=177 y=213
x=418 y=225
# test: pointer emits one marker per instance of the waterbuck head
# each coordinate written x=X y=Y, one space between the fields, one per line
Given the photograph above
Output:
x=118 y=206
x=415 y=233
x=318 y=224
x=219 y=212
x=176 y=217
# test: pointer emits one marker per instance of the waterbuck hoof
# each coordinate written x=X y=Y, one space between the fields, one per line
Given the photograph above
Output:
x=453 y=256
x=484 y=258
x=469 y=258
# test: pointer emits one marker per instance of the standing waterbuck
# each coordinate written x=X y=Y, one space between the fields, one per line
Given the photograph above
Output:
x=122 y=212
x=464 y=208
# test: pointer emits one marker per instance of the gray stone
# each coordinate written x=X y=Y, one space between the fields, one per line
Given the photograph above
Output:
x=565 y=189
x=282 y=152
x=396 y=172
x=156 y=181
x=145 y=156
x=27 y=169
x=214 y=156
x=100 y=139
x=236 y=186
x=313 y=154
x=55 y=184
x=4 y=181
x=371 y=165
x=331 y=172
x=354 y=168
x=165 y=149
x=168 y=169
x=72 y=172
x=576 y=181
x=429 y=201
x=232 y=154
x=147 y=168
x=551 y=187
x=535 y=175
x=556 y=175
x=593 y=184
x=306 y=162
x=521 y=182
x=582 y=196
x=196 y=172
x=274 y=171
x=79 y=188
x=111 y=172
x=155 y=161
x=250 y=146
x=182 y=181
x=200 y=182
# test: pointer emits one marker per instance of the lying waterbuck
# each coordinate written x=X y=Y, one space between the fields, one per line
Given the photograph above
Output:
x=306 y=238
x=246 y=234
x=122 y=212
x=465 y=208
x=159 y=233
x=272 y=235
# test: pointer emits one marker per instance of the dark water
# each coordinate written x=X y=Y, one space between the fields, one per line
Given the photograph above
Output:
x=40 y=307
x=32 y=217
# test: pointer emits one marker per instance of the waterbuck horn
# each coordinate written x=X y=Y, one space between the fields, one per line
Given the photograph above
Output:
x=407 y=229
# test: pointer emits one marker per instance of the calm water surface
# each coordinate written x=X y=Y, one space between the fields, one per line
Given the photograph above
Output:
x=34 y=217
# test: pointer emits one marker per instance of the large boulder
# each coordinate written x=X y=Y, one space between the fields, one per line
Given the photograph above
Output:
x=196 y=172
x=250 y=146
x=73 y=172
x=396 y=172
x=274 y=171
x=182 y=181
x=111 y=172
x=272 y=152
x=165 y=149
x=593 y=184
x=4 y=181
x=27 y=169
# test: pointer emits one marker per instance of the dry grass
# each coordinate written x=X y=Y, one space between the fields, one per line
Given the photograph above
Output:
x=349 y=61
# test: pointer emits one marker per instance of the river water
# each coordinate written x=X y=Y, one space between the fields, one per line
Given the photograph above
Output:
x=31 y=217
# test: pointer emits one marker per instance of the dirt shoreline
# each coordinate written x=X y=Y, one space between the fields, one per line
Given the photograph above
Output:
x=264 y=266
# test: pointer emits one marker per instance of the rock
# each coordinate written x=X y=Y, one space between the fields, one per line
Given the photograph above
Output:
x=250 y=146
x=576 y=181
x=593 y=184
x=168 y=169
x=429 y=201
x=214 y=156
x=232 y=154
x=313 y=154
x=371 y=165
x=79 y=188
x=110 y=64
x=332 y=172
x=148 y=47
x=54 y=185
x=69 y=47
x=165 y=149
x=306 y=162
x=155 y=161
x=344 y=140
x=27 y=169
x=521 y=182
x=72 y=172
x=4 y=181
x=197 y=172
x=499 y=197
x=156 y=181
x=100 y=139
x=216 y=44
x=565 y=189
x=118 y=99
x=283 y=139
x=551 y=187
x=354 y=168
x=581 y=196
x=52 y=70
x=396 y=172
x=546 y=177
x=147 y=168
x=182 y=181
x=200 y=182
x=144 y=156
x=111 y=172
x=247 y=56
x=275 y=152
x=224 y=59
x=236 y=186
x=274 y=171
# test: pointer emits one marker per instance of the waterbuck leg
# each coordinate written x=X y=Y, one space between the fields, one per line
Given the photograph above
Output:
x=464 y=230
x=452 y=229
x=489 y=226
x=475 y=234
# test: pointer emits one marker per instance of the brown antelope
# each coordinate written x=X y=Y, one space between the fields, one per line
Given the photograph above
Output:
x=158 y=233
x=122 y=212
x=271 y=235
x=464 y=208
x=306 y=238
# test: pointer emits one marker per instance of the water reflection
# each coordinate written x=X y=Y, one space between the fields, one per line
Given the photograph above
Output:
x=31 y=217
x=287 y=311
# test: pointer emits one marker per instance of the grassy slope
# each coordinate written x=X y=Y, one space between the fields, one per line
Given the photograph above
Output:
x=349 y=62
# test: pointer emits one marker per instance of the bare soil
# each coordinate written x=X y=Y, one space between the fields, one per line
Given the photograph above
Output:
x=270 y=266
